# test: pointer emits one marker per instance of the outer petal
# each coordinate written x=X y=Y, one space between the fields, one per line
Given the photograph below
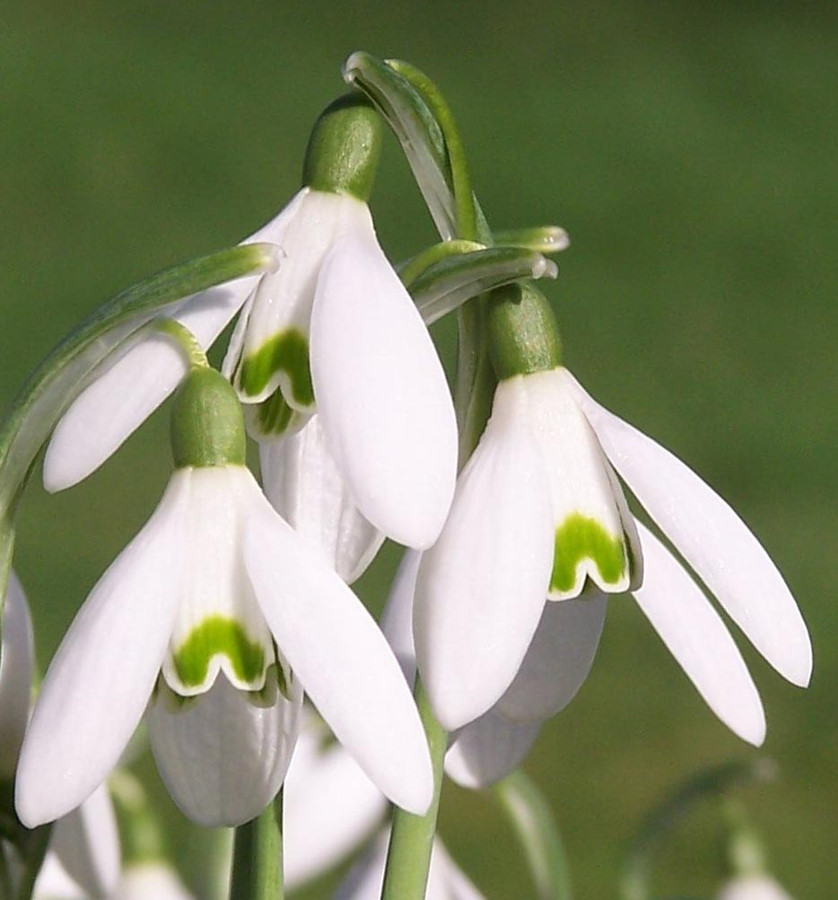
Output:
x=103 y=673
x=16 y=663
x=128 y=390
x=699 y=641
x=558 y=659
x=381 y=392
x=221 y=757
x=330 y=805
x=303 y=483
x=713 y=540
x=482 y=587
x=340 y=656
x=86 y=843
x=489 y=748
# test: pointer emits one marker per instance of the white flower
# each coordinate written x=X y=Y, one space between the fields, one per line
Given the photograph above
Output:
x=539 y=513
x=333 y=323
x=224 y=609
x=303 y=483
x=445 y=879
x=329 y=804
x=753 y=887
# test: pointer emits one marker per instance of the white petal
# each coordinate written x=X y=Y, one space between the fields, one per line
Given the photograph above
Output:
x=127 y=392
x=103 y=673
x=221 y=757
x=129 y=388
x=330 y=807
x=481 y=588
x=446 y=881
x=713 y=540
x=53 y=882
x=381 y=393
x=157 y=880
x=586 y=498
x=16 y=664
x=283 y=301
x=397 y=618
x=340 y=656
x=303 y=484
x=558 y=660
x=86 y=843
x=753 y=887
x=489 y=748
x=696 y=636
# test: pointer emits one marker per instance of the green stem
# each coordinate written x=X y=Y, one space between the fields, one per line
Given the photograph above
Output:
x=412 y=837
x=183 y=339
x=257 y=856
x=538 y=835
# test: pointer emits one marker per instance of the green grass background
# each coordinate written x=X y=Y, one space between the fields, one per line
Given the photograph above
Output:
x=690 y=151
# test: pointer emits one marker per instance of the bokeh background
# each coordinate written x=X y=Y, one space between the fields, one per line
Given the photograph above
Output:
x=690 y=151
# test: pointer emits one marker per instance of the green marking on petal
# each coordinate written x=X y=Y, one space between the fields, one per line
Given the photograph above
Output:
x=274 y=414
x=217 y=635
x=284 y=352
x=581 y=537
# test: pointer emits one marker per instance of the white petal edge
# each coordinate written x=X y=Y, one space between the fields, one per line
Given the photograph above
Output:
x=103 y=673
x=304 y=486
x=130 y=387
x=712 y=538
x=558 y=659
x=697 y=637
x=341 y=657
x=86 y=842
x=17 y=656
x=482 y=587
x=223 y=759
x=381 y=393
x=330 y=806
x=488 y=749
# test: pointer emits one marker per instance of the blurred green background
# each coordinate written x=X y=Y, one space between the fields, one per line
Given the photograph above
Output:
x=690 y=151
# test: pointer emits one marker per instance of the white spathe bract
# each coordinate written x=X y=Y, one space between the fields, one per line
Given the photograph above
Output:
x=464 y=580
x=335 y=326
x=128 y=387
x=330 y=806
x=17 y=655
x=303 y=483
x=205 y=591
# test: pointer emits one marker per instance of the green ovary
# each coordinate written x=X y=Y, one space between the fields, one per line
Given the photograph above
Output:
x=219 y=636
x=285 y=352
x=580 y=537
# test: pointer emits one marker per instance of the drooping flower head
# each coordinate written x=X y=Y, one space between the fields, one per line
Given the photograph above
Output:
x=220 y=614
x=539 y=513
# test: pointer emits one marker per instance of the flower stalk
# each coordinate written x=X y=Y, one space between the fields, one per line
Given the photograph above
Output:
x=257 y=856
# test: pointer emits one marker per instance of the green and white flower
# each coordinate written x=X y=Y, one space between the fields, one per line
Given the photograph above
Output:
x=221 y=615
x=539 y=513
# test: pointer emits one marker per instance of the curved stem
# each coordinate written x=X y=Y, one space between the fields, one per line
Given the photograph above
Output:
x=183 y=339
x=412 y=837
x=257 y=856
x=539 y=837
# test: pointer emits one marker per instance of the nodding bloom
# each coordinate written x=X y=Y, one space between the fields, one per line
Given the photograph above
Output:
x=220 y=615
x=333 y=329
x=539 y=517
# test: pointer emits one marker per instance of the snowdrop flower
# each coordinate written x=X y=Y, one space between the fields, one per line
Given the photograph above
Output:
x=445 y=879
x=333 y=324
x=330 y=806
x=753 y=887
x=539 y=513
x=220 y=614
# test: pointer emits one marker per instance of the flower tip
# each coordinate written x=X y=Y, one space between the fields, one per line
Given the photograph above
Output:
x=544 y=268
x=354 y=63
x=268 y=256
